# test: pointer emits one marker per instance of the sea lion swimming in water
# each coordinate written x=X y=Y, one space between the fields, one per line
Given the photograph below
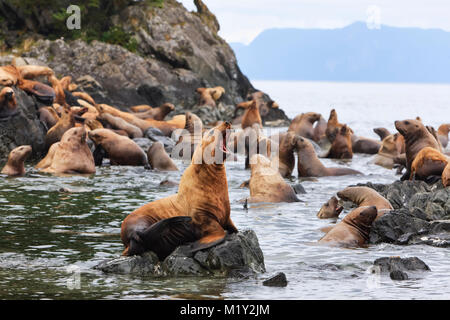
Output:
x=330 y=209
x=16 y=158
x=199 y=212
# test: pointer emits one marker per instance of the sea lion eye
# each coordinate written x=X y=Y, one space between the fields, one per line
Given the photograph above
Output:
x=406 y=122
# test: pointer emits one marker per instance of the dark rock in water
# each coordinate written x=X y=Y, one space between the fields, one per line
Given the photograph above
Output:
x=298 y=188
x=144 y=143
x=22 y=128
x=153 y=135
x=398 y=275
x=151 y=132
x=238 y=256
x=278 y=280
x=389 y=264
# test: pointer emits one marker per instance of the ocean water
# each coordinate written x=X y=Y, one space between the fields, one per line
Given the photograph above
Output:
x=50 y=237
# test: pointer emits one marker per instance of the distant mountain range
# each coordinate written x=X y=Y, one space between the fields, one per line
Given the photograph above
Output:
x=352 y=53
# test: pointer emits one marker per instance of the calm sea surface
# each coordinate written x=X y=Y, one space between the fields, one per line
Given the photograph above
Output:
x=46 y=233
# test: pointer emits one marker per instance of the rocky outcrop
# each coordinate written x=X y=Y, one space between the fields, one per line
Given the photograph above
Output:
x=398 y=267
x=421 y=214
x=238 y=256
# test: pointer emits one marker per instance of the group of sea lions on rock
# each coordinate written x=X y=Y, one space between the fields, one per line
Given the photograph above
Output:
x=81 y=133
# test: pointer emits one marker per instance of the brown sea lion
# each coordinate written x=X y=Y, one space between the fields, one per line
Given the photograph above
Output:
x=120 y=124
x=9 y=76
x=66 y=82
x=159 y=159
x=42 y=92
x=169 y=126
x=416 y=138
x=333 y=126
x=33 y=71
x=382 y=132
x=48 y=116
x=65 y=122
x=251 y=116
x=60 y=96
x=127 y=116
x=302 y=124
x=16 y=158
x=119 y=149
x=8 y=102
x=140 y=108
x=330 y=209
x=199 y=212
x=442 y=134
x=158 y=113
x=427 y=164
x=341 y=148
x=446 y=176
x=353 y=230
x=190 y=137
x=71 y=155
x=309 y=164
x=286 y=157
x=387 y=153
x=206 y=97
x=365 y=145
x=266 y=183
x=319 y=133
x=364 y=197
x=84 y=96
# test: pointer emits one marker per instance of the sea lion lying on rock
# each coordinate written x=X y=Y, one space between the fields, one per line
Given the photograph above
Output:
x=353 y=230
x=16 y=158
x=120 y=124
x=446 y=176
x=266 y=183
x=199 y=212
x=428 y=164
x=309 y=164
x=364 y=197
x=158 y=113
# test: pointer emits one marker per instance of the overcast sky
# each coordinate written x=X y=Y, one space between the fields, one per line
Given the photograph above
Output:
x=243 y=20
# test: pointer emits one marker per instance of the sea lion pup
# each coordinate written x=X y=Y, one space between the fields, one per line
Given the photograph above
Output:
x=8 y=102
x=387 y=153
x=60 y=96
x=330 y=209
x=119 y=149
x=199 y=212
x=442 y=134
x=285 y=158
x=382 y=132
x=341 y=148
x=120 y=124
x=428 y=165
x=320 y=128
x=71 y=155
x=353 y=230
x=333 y=126
x=416 y=138
x=140 y=108
x=85 y=96
x=365 y=145
x=302 y=124
x=446 y=176
x=65 y=122
x=158 y=113
x=16 y=158
x=206 y=98
x=364 y=197
x=191 y=136
x=251 y=115
x=42 y=92
x=159 y=159
x=309 y=164
x=266 y=183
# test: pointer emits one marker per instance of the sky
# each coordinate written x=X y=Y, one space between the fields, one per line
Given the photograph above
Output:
x=243 y=20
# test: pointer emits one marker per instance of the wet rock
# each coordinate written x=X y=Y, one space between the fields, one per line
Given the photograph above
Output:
x=298 y=188
x=398 y=275
x=278 y=280
x=238 y=256
x=144 y=143
x=154 y=135
x=390 y=264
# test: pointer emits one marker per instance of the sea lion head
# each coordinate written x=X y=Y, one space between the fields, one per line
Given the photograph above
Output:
x=193 y=122
x=93 y=124
x=75 y=135
x=289 y=141
x=331 y=209
x=312 y=117
x=408 y=127
x=303 y=144
x=168 y=107
x=99 y=135
x=362 y=219
x=388 y=145
x=213 y=148
x=19 y=154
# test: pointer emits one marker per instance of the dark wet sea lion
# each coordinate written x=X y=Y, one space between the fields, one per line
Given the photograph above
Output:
x=353 y=230
x=365 y=145
x=16 y=158
x=43 y=93
x=285 y=157
x=199 y=212
x=333 y=126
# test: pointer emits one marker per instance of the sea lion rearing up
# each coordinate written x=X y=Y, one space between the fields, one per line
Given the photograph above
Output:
x=251 y=116
x=353 y=230
x=16 y=158
x=199 y=212
x=341 y=148
x=416 y=137
x=266 y=183
x=159 y=159
x=302 y=124
x=309 y=164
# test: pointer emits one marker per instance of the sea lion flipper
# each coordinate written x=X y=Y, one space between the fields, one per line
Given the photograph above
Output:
x=209 y=241
x=99 y=153
x=166 y=235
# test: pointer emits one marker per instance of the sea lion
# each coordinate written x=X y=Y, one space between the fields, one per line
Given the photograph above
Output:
x=251 y=115
x=364 y=197
x=33 y=71
x=9 y=76
x=140 y=123
x=48 y=116
x=84 y=96
x=365 y=145
x=330 y=209
x=43 y=93
x=158 y=113
x=442 y=134
x=60 y=96
x=71 y=155
x=427 y=164
x=159 y=159
x=382 y=132
x=65 y=122
x=140 y=108
x=309 y=164
x=205 y=97
x=191 y=136
x=16 y=158
x=119 y=149
x=333 y=126
x=8 y=102
x=353 y=230
x=199 y=212
x=319 y=133
x=266 y=183
x=302 y=124
x=120 y=124
x=169 y=126
x=388 y=152
x=285 y=157
x=446 y=176
x=416 y=138
x=341 y=148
